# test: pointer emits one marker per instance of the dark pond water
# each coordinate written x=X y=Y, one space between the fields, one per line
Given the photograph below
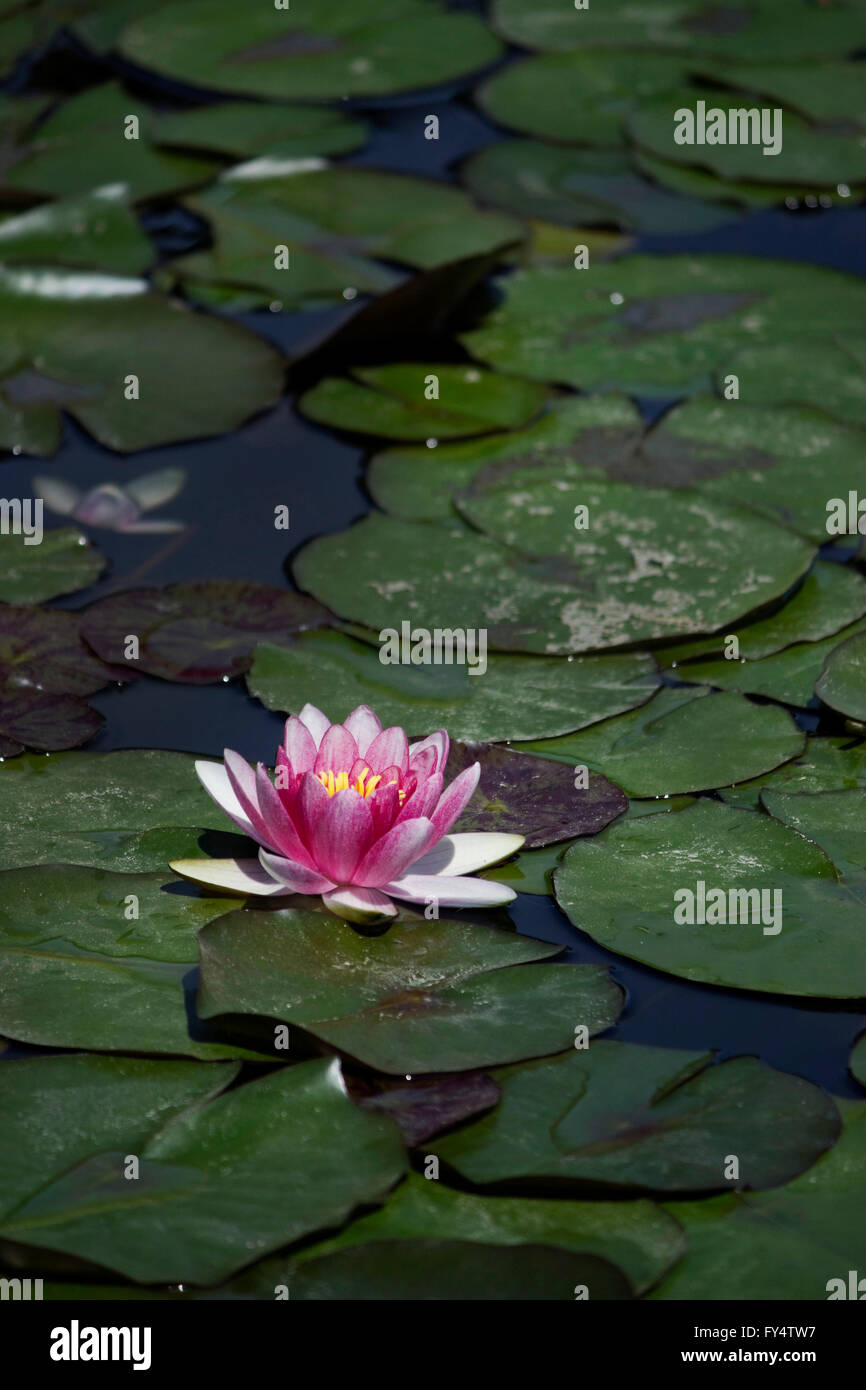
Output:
x=235 y=482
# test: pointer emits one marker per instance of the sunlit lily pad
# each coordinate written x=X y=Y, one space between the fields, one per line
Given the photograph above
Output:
x=660 y=325
x=96 y=229
x=81 y=970
x=244 y=129
x=648 y=1118
x=86 y=343
x=224 y=1182
x=789 y=1243
x=59 y=1111
x=198 y=632
x=311 y=51
x=427 y=996
x=582 y=187
x=83 y=144
x=393 y=401
x=637 y=1236
x=843 y=682
x=828 y=764
x=63 y=562
x=533 y=797
x=619 y=887
x=531 y=870
x=516 y=697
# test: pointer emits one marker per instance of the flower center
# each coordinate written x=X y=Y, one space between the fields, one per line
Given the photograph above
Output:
x=339 y=782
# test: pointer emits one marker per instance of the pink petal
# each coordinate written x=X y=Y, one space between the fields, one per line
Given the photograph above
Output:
x=295 y=878
x=385 y=805
x=424 y=799
x=424 y=763
x=450 y=892
x=337 y=751
x=309 y=809
x=299 y=745
x=390 y=748
x=364 y=726
x=280 y=826
x=215 y=781
x=455 y=799
x=439 y=742
x=359 y=904
x=317 y=723
x=342 y=835
x=243 y=783
x=390 y=856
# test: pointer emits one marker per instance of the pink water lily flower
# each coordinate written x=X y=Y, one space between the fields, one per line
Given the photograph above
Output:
x=357 y=814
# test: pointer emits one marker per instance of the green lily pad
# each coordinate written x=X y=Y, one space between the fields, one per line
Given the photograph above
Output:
x=197 y=632
x=637 y=1236
x=833 y=820
x=785 y=1244
x=760 y=30
x=842 y=685
x=532 y=797
x=819 y=157
x=660 y=325
x=825 y=92
x=775 y=374
x=82 y=144
x=516 y=697
x=582 y=187
x=648 y=562
x=392 y=401
x=418 y=485
x=828 y=764
x=829 y=598
x=59 y=1111
x=244 y=129
x=336 y=224
x=531 y=870
x=858 y=1061
x=96 y=229
x=63 y=562
x=619 y=888
x=79 y=972
x=311 y=52
x=579 y=98
x=790 y=676
x=628 y=1117
x=691 y=181
x=427 y=996
x=382 y=572
x=125 y=851
x=223 y=1183
x=75 y=338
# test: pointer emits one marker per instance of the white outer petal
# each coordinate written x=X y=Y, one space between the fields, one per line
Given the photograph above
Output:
x=361 y=905
x=466 y=853
x=215 y=781
x=315 y=722
x=234 y=875
x=450 y=892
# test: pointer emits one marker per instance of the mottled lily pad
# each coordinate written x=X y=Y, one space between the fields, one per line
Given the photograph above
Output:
x=80 y=970
x=516 y=697
x=619 y=888
x=311 y=51
x=842 y=684
x=393 y=401
x=532 y=797
x=427 y=996
x=96 y=229
x=198 y=632
x=63 y=562
x=59 y=1111
x=648 y=1118
x=85 y=343
x=776 y=374
x=224 y=1182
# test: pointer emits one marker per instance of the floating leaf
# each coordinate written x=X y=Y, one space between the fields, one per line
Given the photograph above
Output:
x=58 y=1111
x=532 y=796
x=842 y=685
x=691 y=181
x=256 y=1168
x=828 y=764
x=311 y=52
x=627 y=1117
x=125 y=851
x=824 y=91
x=244 y=129
x=582 y=188
x=660 y=325
x=79 y=971
x=775 y=374
x=422 y=1107
x=425 y=996
x=394 y=401
x=41 y=649
x=95 y=229
x=36 y=719
x=620 y=888
x=789 y=1243
x=833 y=820
x=75 y=338
x=515 y=697
x=62 y=562
x=198 y=632
x=531 y=870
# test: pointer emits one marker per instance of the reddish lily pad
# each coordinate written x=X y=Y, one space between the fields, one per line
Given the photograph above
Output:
x=199 y=632
x=43 y=721
x=533 y=797
x=425 y=1106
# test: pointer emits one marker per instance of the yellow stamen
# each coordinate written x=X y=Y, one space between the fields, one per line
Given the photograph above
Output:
x=361 y=785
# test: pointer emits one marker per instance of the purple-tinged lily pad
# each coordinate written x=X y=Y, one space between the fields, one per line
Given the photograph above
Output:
x=38 y=719
x=429 y=1105
x=532 y=797
x=41 y=649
